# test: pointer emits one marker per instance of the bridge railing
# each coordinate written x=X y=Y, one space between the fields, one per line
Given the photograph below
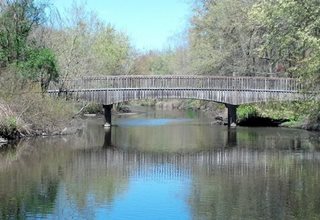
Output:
x=175 y=81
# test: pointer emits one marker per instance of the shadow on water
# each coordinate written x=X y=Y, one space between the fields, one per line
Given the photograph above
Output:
x=218 y=173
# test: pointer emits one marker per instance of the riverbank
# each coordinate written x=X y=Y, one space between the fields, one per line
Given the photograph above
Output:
x=73 y=126
x=286 y=114
x=66 y=117
x=35 y=114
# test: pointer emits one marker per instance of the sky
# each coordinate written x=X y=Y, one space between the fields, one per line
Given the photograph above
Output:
x=148 y=23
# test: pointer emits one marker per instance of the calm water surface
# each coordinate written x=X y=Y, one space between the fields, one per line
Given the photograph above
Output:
x=163 y=165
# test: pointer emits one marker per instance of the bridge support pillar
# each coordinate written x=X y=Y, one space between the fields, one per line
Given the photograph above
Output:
x=107 y=115
x=232 y=115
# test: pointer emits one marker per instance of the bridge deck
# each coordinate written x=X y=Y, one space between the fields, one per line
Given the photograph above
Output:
x=229 y=90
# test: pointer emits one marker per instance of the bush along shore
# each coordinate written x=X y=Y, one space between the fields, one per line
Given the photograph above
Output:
x=36 y=114
x=287 y=114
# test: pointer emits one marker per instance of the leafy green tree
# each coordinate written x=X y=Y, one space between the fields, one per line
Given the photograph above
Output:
x=153 y=62
x=84 y=45
x=18 y=19
x=222 y=39
x=292 y=29
x=112 y=50
x=40 y=66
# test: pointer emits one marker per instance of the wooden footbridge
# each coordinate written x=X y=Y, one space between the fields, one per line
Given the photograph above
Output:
x=232 y=91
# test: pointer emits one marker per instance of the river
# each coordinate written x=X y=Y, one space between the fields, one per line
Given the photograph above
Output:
x=163 y=165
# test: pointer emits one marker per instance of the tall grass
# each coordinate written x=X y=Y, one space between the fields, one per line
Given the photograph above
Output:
x=25 y=110
x=10 y=124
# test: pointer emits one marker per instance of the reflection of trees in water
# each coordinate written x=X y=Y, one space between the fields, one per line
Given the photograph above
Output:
x=277 y=138
x=230 y=183
x=31 y=179
x=91 y=173
x=172 y=138
x=185 y=138
x=227 y=183
x=243 y=172
x=28 y=184
x=277 y=185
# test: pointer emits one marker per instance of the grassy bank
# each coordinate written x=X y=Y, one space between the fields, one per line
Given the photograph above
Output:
x=29 y=112
x=304 y=115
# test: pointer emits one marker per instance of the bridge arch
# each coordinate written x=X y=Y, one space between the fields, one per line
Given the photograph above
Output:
x=232 y=91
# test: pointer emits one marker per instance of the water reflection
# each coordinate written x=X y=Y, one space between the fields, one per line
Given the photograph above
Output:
x=107 y=138
x=232 y=139
x=185 y=169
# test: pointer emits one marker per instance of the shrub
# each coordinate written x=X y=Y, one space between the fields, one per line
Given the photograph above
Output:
x=26 y=110
x=10 y=124
x=246 y=111
x=93 y=108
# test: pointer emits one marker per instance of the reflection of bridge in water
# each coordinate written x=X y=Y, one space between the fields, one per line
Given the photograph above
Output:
x=232 y=159
x=231 y=139
x=235 y=161
x=231 y=91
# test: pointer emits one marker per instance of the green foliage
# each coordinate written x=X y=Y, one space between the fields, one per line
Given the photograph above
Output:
x=31 y=112
x=11 y=123
x=222 y=40
x=246 y=111
x=311 y=108
x=45 y=114
x=10 y=126
x=18 y=19
x=274 y=110
x=85 y=45
x=256 y=37
x=160 y=66
x=291 y=28
x=278 y=37
x=154 y=63
x=283 y=110
x=93 y=108
x=300 y=114
x=40 y=66
x=111 y=49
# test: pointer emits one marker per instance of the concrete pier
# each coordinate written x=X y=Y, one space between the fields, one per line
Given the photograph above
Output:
x=107 y=115
x=232 y=115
